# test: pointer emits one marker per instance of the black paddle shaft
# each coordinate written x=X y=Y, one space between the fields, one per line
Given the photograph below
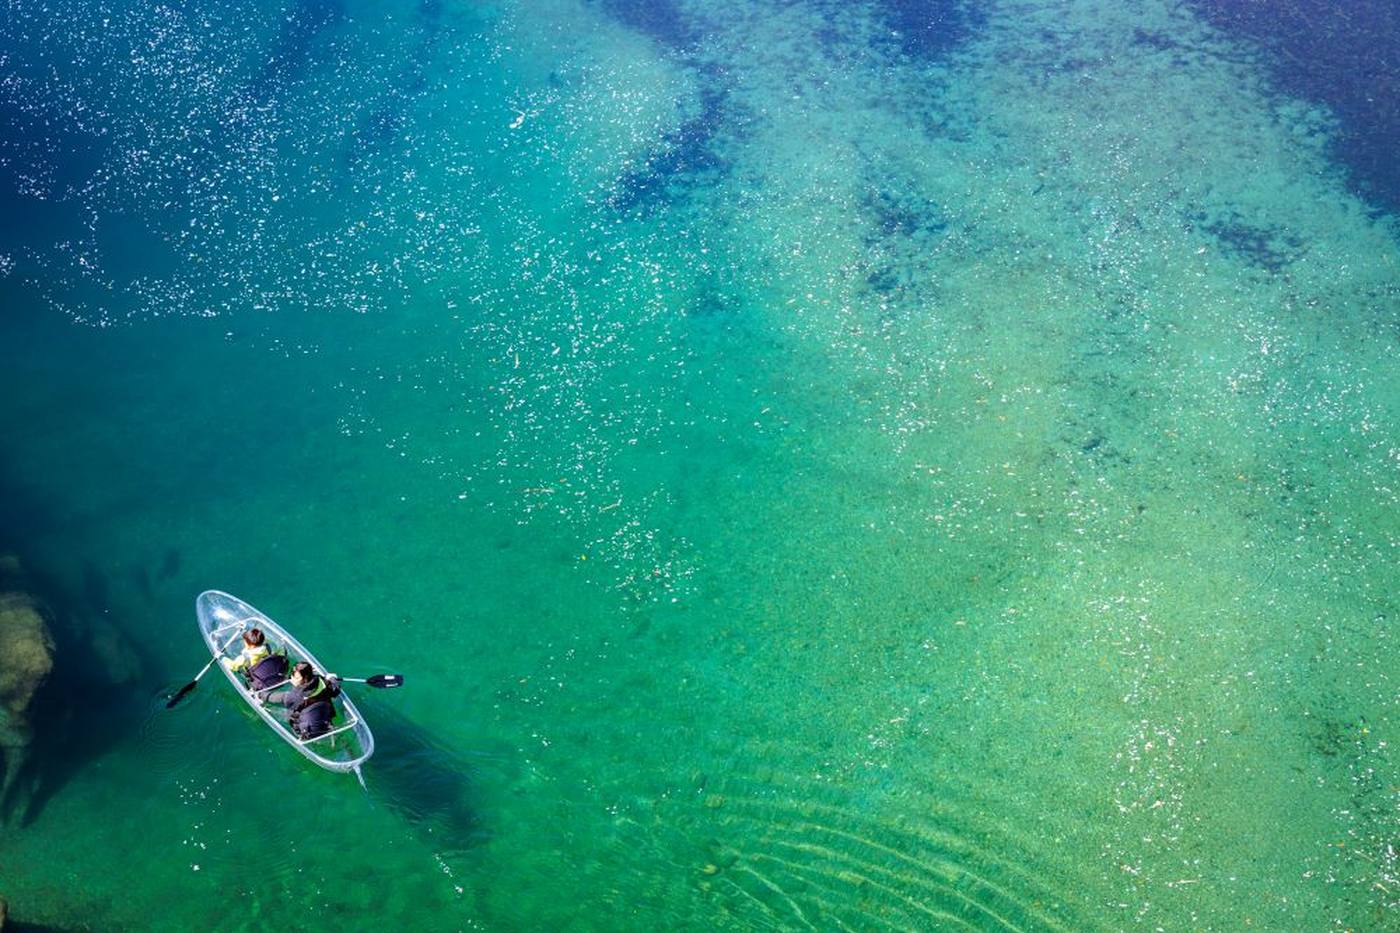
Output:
x=170 y=704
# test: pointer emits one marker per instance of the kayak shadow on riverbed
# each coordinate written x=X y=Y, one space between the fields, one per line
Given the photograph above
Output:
x=427 y=784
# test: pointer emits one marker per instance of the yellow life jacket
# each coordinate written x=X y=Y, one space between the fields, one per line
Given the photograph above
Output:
x=249 y=656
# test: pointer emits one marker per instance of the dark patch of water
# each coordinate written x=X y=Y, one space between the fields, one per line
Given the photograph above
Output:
x=1263 y=247
x=21 y=514
x=427 y=784
x=97 y=593
x=140 y=577
x=885 y=280
x=78 y=716
x=687 y=158
x=661 y=20
x=91 y=701
x=1155 y=40
x=904 y=214
x=905 y=221
x=930 y=29
x=19 y=926
x=294 y=53
x=169 y=564
x=1345 y=55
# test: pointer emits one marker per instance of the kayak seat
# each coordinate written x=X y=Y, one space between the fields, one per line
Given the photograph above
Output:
x=269 y=672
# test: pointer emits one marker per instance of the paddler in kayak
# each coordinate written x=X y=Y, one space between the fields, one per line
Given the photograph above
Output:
x=311 y=700
x=262 y=667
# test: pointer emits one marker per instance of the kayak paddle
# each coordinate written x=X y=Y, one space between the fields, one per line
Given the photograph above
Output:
x=170 y=704
x=382 y=681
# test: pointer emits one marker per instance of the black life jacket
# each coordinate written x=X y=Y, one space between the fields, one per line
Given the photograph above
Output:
x=315 y=713
x=269 y=672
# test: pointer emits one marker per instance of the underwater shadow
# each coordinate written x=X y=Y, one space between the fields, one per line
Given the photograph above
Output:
x=78 y=718
x=90 y=702
x=430 y=786
x=687 y=159
x=19 y=926
x=929 y=31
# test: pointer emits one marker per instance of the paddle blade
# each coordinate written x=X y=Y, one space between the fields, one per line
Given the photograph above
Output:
x=170 y=704
x=385 y=681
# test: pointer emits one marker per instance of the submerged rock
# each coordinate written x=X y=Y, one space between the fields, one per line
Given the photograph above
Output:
x=43 y=737
x=26 y=658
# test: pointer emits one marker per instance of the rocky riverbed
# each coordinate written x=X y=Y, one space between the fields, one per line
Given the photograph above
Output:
x=26 y=660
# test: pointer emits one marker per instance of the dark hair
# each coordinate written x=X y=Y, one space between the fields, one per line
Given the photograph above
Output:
x=304 y=670
x=253 y=637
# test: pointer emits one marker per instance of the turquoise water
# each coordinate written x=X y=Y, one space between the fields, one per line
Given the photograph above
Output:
x=817 y=467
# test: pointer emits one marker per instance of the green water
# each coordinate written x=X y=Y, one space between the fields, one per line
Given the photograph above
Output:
x=964 y=500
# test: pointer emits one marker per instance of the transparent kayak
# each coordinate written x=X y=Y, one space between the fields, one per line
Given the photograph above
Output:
x=222 y=621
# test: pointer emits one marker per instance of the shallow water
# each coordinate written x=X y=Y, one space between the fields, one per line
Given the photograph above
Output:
x=817 y=465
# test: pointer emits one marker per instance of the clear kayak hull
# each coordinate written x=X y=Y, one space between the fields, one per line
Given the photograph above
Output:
x=222 y=621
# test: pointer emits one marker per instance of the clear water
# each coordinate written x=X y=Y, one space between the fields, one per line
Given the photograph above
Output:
x=819 y=466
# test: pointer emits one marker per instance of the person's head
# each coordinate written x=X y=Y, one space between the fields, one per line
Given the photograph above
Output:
x=253 y=637
x=303 y=673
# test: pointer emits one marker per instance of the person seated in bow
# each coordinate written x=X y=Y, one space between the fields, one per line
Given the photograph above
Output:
x=262 y=667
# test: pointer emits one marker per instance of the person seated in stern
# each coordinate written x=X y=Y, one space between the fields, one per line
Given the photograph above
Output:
x=311 y=700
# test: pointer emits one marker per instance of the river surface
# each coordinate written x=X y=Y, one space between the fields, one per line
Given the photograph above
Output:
x=818 y=465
